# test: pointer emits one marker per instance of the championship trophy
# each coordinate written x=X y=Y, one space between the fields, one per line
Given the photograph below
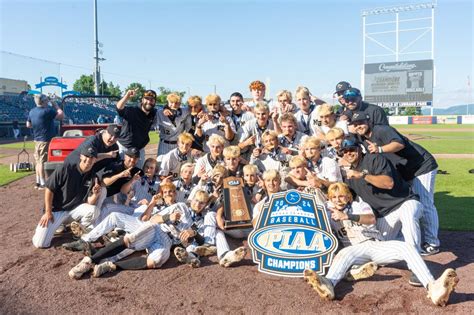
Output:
x=237 y=205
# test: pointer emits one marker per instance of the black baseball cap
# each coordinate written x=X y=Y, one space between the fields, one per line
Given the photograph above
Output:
x=359 y=117
x=113 y=130
x=133 y=152
x=342 y=86
x=349 y=143
x=89 y=152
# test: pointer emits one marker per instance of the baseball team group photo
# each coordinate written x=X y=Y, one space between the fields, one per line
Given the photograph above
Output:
x=213 y=187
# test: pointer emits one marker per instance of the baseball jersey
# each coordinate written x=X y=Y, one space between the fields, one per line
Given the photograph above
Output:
x=215 y=126
x=187 y=220
x=326 y=168
x=172 y=161
x=144 y=189
x=349 y=232
x=275 y=160
x=171 y=127
x=294 y=143
x=339 y=124
x=251 y=128
x=183 y=190
x=208 y=163
x=239 y=123
x=306 y=123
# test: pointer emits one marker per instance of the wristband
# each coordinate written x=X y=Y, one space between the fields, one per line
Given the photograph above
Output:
x=380 y=150
x=353 y=217
x=165 y=217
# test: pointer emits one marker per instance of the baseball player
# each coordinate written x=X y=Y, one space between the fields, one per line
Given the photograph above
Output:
x=284 y=103
x=206 y=163
x=327 y=120
x=354 y=225
x=172 y=161
x=334 y=138
x=306 y=116
x=252 y=131
x=271 y=157
x=72 y=193
x=214 y=186
x=418 y=166
x=271 y=183
x=290 y=138
x=184 y=183
x=215 y=122
x=353 y=103
x=172 y=121
x=196 y=111
x=257 y=89
x=251 y=183
x=232 y=161
x=374 y=179
x=239 y=116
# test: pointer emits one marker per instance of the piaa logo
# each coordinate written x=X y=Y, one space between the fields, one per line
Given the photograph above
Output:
x=292 y=234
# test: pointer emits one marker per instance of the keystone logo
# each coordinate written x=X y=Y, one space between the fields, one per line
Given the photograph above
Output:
x=292 y=234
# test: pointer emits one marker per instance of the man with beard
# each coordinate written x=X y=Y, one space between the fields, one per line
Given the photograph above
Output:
x=353 y=102
x=137 y=122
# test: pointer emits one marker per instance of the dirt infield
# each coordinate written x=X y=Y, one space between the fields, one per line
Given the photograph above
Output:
x=35 y=281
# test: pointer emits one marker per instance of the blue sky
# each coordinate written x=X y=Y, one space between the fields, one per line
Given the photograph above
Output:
x=194 y=45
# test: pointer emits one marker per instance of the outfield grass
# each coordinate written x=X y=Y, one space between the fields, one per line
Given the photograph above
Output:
x=30 y=145
x=7 y=176
x=434 y=127
x=454 y=196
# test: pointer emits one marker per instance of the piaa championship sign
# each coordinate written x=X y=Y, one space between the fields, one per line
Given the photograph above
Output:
x=292 y=234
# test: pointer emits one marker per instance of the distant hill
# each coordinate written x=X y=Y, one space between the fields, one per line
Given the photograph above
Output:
x=453 y=110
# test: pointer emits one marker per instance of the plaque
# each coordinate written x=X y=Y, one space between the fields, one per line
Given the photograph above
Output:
x=237 y=206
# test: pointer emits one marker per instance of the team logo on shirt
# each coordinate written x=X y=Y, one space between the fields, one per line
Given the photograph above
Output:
x=292 y=234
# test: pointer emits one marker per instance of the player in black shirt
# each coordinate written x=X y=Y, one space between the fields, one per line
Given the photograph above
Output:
x=373 y=178
x=71 y=194
x=105 y=144
x=353 y=103
x=419 y=167
x=137 y=122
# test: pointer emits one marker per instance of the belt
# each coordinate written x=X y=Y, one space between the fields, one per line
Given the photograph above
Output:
x=169 y=142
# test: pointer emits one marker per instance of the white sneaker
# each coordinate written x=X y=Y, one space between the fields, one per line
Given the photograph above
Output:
x=102 y=268
x=320 y=284
x=364 y=271
x=440 y=289
x=233 y=256
x=81 y=268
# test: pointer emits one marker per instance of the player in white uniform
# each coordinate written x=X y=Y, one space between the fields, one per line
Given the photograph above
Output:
x=184 y=183
x=271 y=185
x=215 y=122
x=271 y=157
x=239 y=116
x=306 y=116
x=172 y=120
x=172 y=161
x=327 y=120
x=206 y=163
x=284 y=103
x=252 y=131
x=353 y=222
x=290 y=139
x=257 y=89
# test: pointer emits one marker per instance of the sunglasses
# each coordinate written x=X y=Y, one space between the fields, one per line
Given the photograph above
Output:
x=346 y=150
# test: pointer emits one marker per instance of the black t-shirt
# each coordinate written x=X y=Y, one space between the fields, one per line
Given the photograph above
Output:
x=376 y=113
x=136 y=126
x=418 y=160
x=382 y=201
x=113 y=169
x=69 y=186
x=97 y=143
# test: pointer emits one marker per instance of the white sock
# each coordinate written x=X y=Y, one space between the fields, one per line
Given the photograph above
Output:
x=41 y=181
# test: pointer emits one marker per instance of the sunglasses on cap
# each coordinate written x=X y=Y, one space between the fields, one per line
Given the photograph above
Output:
x=149 y=93
x=351 y=95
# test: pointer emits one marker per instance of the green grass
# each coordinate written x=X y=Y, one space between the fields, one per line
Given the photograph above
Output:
x=454 y=196
x=30 y=145
x=6 y=176
x=434 y=127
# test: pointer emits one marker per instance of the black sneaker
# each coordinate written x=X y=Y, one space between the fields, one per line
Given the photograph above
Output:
x=75 y=246
x=427 y=249
x=414 y=281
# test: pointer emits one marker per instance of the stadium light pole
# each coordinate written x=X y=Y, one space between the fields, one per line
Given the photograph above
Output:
x=96 y=51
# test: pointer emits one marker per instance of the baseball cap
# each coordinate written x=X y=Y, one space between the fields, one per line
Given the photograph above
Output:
x=149 y=93
x=359 y=117
x=342 y=86
x=89 y=152
x=351 y=94
x=349 y=143
x=133 y=152
x=40 y=99
x=113 y=130
x=325 y=109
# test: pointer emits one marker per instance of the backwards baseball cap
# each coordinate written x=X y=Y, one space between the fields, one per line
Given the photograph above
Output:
x=133 y=152
x=325 y=109
x=358 y=117
x=113 y=130
x=149 y=93
x=89 y=152
x=349 y=143
x=342 y=86
x=351 y=94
